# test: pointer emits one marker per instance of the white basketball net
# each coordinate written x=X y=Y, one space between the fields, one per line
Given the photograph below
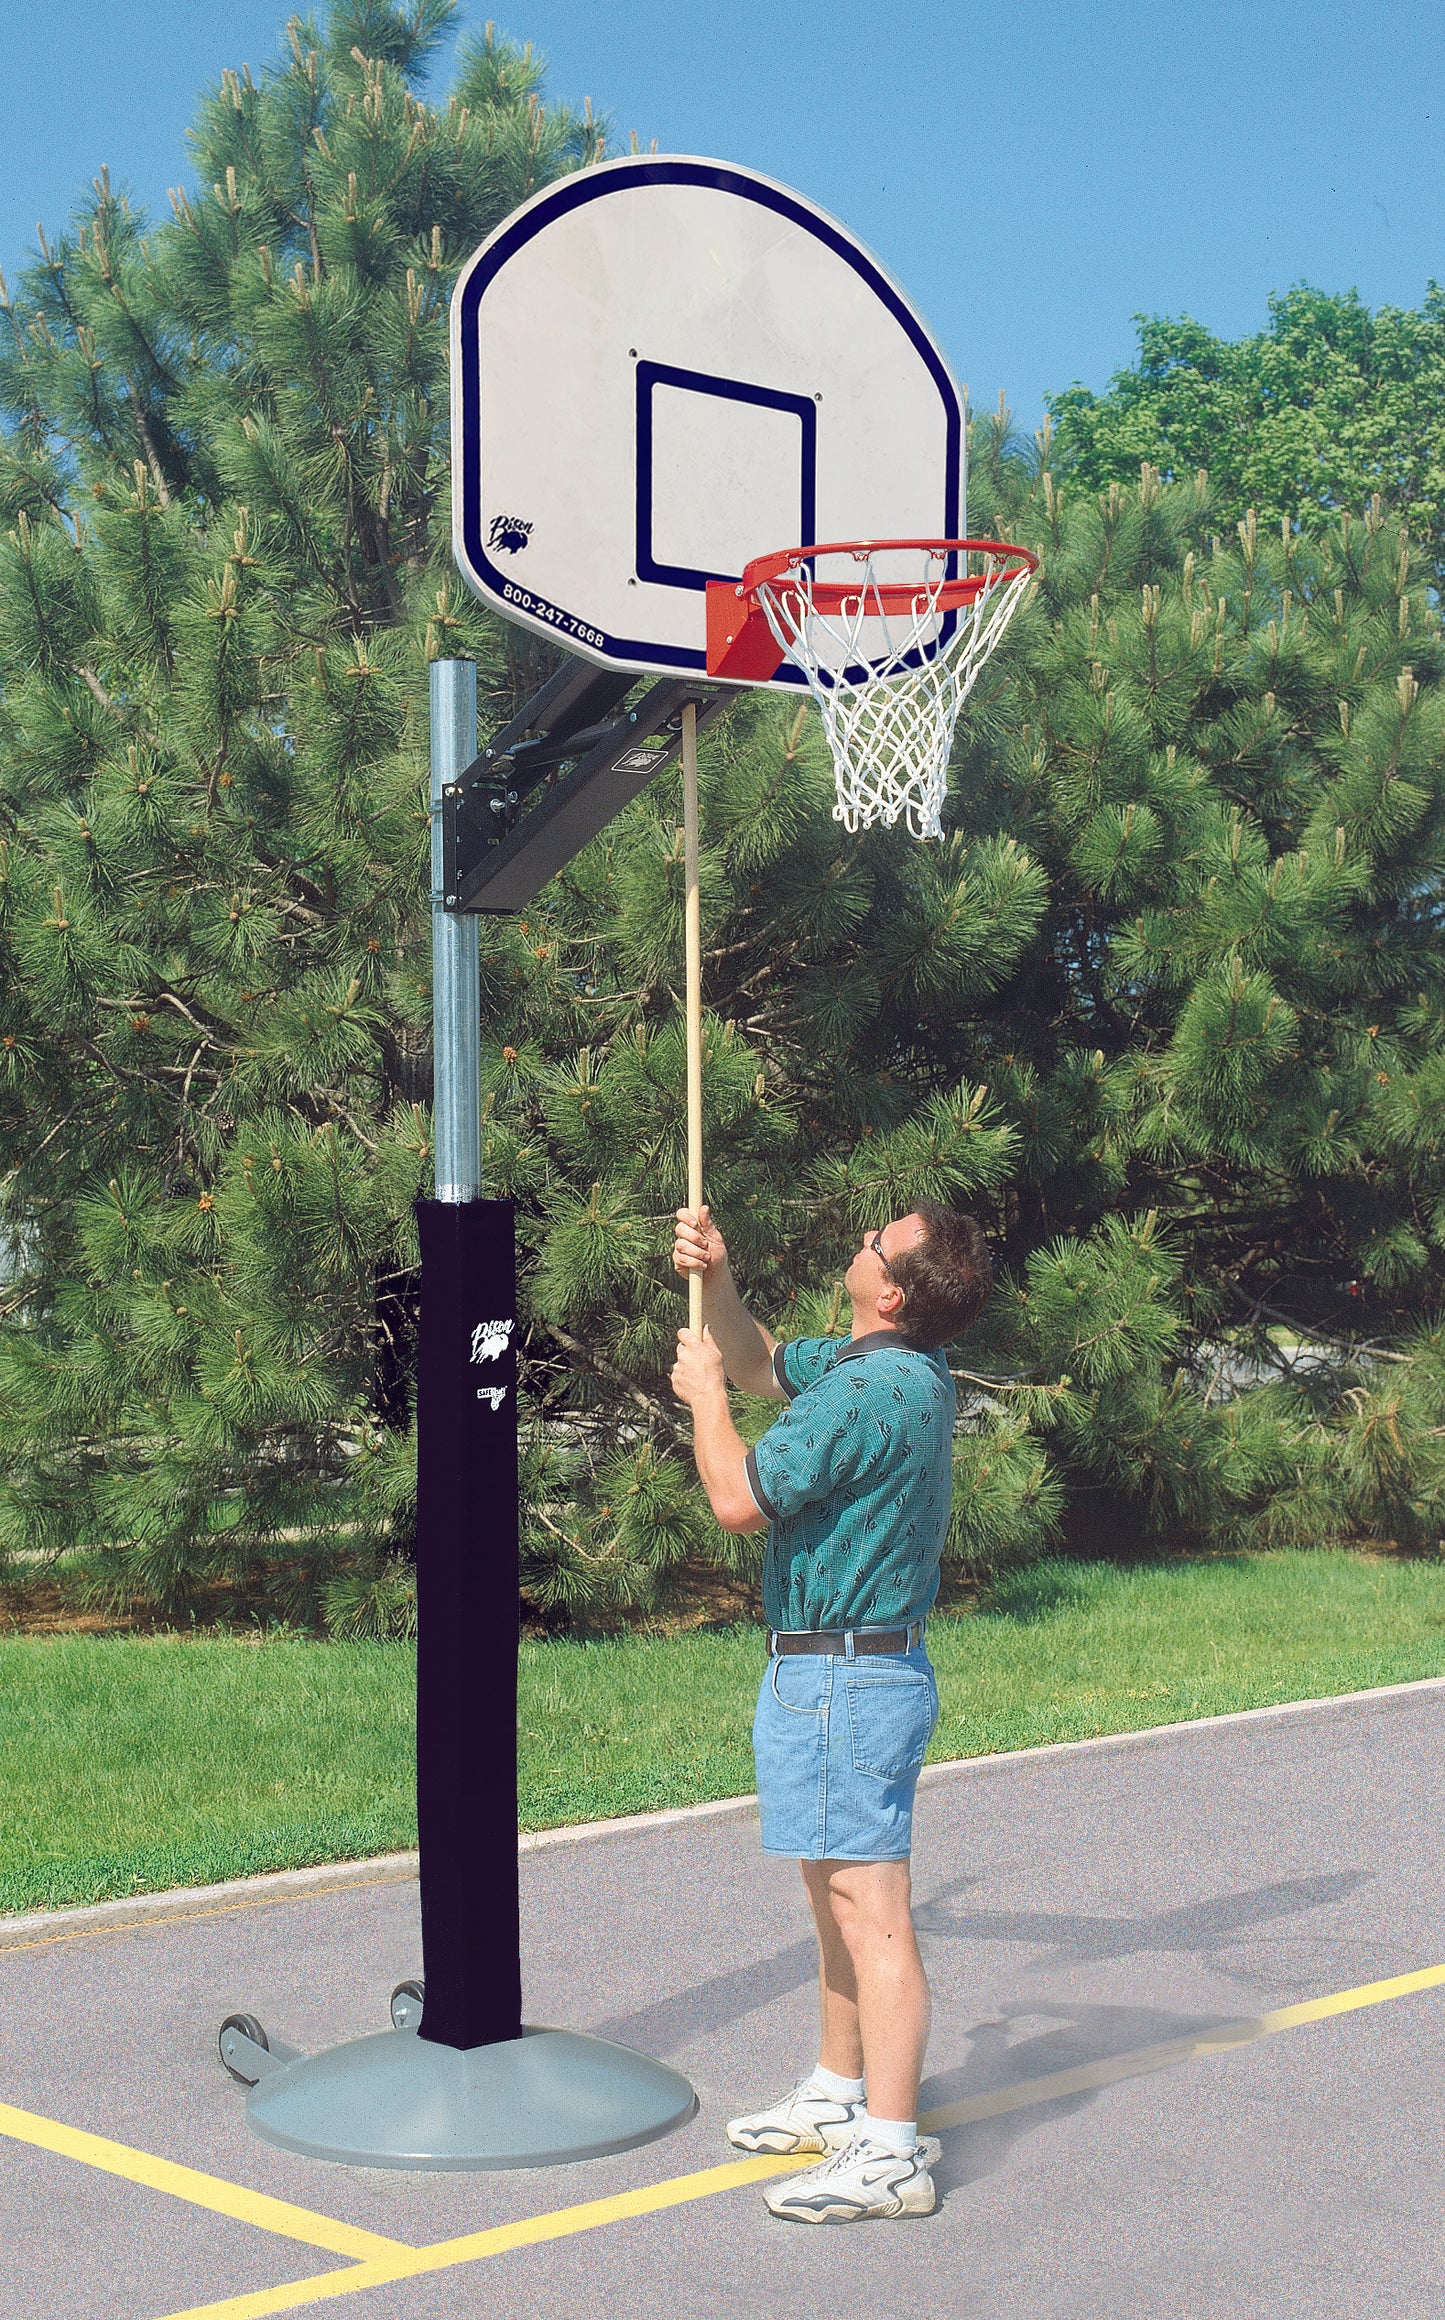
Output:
x=890 y=696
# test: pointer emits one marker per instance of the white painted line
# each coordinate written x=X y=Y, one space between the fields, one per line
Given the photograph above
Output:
x=397 y=1868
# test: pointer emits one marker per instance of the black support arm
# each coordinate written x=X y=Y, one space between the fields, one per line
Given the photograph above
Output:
x=496 y=857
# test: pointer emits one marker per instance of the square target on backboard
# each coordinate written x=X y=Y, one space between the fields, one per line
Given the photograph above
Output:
x=758 y=448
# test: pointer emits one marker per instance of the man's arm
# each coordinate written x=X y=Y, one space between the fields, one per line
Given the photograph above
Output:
x=719 y=1449
x=746 y=1347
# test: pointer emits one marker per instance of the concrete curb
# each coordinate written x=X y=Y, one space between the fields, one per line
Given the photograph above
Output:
x=396 y=1868
x=204 y=1900
x=1151 y=1732
x=183 y=1901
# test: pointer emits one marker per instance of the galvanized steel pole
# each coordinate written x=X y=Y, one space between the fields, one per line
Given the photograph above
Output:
x=456 y=1028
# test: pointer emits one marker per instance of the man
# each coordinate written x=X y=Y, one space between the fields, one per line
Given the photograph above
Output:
x=853 y=1485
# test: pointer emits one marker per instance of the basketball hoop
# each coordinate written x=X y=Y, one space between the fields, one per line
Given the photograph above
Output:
x=890 y=659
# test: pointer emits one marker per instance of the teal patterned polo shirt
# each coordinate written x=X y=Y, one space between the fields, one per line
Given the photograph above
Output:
x=856 y=1480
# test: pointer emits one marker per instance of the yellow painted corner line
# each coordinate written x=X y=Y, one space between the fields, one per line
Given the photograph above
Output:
x=233 y=2199
x=562 y=2223
x=379 y=2260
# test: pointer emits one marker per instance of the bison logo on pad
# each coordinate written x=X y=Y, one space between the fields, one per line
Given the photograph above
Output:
x=491 y=1339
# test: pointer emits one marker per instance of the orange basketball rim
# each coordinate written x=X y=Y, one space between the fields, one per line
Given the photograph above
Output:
x=742 y=644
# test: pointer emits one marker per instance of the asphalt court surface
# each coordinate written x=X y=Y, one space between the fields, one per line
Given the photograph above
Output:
x=1080 y=1911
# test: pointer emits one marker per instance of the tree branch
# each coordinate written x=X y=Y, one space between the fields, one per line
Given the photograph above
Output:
x=98 y=690
x=617 y=1377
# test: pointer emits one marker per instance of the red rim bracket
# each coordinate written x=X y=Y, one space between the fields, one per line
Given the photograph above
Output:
x=740 y=643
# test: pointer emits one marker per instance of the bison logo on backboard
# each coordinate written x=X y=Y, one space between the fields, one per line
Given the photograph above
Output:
x=491 y=1338
x=509 y=533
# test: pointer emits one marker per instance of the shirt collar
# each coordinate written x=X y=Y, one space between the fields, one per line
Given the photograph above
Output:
x=876 y=1341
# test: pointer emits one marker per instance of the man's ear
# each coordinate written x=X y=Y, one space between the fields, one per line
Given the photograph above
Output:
x=890 y=1300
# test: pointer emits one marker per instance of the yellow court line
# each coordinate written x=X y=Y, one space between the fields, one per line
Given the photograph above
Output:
x=381 y=2260
x=408 y=2263
x=562 y=2223
x=1221 y=2038
x=233 y=2199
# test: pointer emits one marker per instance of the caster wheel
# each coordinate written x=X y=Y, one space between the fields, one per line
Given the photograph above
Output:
x=406 y=2005
x=235 y=2029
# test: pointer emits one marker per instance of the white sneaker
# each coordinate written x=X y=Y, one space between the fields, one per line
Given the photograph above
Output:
x=862 y=2180
x=803 y=2121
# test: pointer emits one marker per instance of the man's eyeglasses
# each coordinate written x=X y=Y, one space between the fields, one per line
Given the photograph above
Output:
x=874 y=1241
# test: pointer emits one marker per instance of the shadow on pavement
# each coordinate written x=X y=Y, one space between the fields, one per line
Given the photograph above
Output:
x=723 y=1999
x=997 y=2057
x=1200 y=1926
x=714 y=2004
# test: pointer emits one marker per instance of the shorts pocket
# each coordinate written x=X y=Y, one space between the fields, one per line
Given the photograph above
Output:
x=797 y=1674
x=891 y=1719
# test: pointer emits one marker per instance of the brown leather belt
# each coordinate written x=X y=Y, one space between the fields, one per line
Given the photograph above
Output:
x=835 y=1640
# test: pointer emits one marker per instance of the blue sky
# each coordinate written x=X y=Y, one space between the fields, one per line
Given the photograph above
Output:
x=1035 y=172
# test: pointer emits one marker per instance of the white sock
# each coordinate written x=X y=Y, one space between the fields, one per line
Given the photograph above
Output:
x=843 y=2090
x=900 y=2135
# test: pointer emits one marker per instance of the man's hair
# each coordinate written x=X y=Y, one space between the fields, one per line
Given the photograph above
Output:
x=946 y=1280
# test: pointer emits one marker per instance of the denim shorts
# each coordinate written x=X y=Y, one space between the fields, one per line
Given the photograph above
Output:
x=839 y=1745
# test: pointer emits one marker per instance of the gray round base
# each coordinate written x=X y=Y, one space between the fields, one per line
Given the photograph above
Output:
x=396 y=2100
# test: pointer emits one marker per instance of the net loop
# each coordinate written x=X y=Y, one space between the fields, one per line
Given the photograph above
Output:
x=891 y=662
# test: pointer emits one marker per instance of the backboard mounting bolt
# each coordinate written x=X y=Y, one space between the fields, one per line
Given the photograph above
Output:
x=451 y=902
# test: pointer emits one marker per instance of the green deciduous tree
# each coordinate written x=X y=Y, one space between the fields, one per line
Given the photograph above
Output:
x=1328 y=405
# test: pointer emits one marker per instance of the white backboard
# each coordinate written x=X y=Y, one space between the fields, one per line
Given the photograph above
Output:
x=662 y=367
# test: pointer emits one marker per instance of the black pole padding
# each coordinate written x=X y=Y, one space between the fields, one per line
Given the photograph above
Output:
x=467 y=1622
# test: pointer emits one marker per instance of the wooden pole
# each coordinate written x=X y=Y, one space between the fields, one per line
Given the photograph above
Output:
x=692 y=915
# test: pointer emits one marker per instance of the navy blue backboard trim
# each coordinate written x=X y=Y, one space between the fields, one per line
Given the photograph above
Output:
x=574 y=193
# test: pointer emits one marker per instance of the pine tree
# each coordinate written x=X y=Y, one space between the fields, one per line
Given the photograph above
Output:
x=1164 y=1005
x=225 y=561
x=1225 y=745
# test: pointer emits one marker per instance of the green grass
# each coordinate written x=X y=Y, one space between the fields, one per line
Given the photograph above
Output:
x=133 y=1764
x=130 y=1764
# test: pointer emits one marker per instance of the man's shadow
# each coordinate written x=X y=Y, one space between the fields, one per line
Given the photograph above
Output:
x=1208 y=1929
x=1083 y=2034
